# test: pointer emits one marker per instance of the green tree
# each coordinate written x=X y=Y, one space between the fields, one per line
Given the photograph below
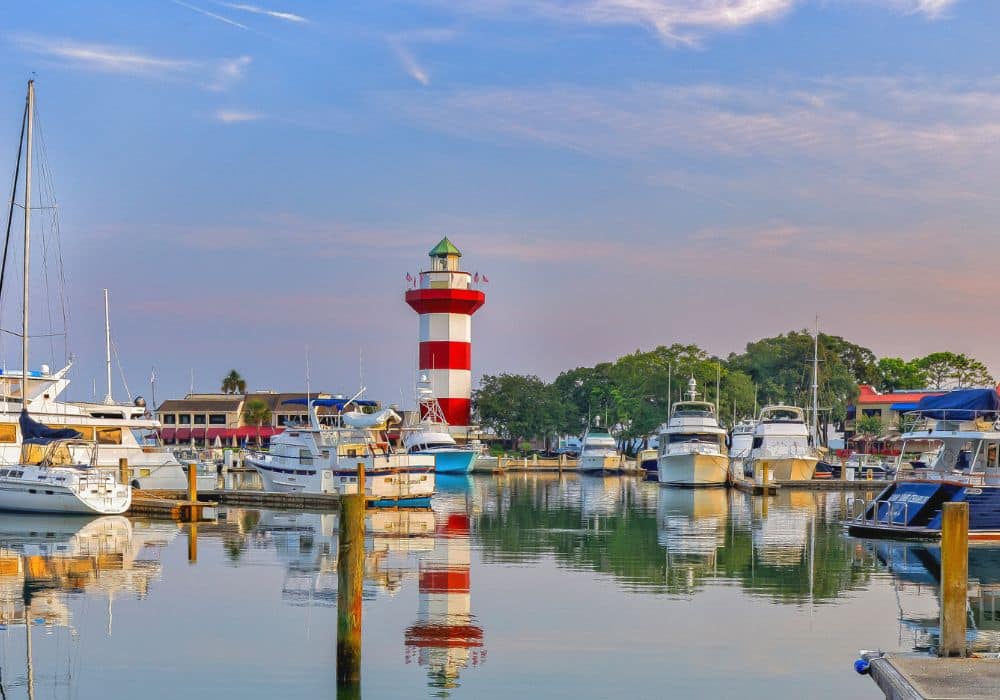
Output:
x=256 y=413
x=895 y=373
x=948 y=369
x=518 y=407
x=234 y=383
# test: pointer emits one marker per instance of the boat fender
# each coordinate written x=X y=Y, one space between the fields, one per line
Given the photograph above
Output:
x=862 y=666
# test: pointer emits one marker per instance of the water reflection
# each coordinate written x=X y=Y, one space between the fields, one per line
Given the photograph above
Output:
x=916 y=572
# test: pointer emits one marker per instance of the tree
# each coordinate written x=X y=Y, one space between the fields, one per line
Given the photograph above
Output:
x=256 y=413
x=518 y=407
x=234 y=383
x=947 y=369
x=895 y=373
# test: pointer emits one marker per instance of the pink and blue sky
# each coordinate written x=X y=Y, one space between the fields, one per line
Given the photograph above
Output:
x=249 y=179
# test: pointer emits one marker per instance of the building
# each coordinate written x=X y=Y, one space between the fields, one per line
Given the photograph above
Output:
x=888 y=406
x=202 y=419
x=445 y=299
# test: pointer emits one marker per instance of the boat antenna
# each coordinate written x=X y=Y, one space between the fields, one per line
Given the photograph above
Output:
x=718 y=384
x=152 y=386
x=27 y=249
x=815 y=386
x=670 y=384
x=308 y=387
x=107 y=347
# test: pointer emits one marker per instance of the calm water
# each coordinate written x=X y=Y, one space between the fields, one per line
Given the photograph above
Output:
x=514 y=586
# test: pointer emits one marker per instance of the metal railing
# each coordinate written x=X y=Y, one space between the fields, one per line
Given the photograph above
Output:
x=889 y=517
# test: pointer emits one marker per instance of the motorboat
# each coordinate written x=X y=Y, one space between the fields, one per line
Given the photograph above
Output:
x=430 y=436
x=781 y=449
x=599 y=452
x=950 y=454
x=326 y=457
x=740 y=443
x=693 y=445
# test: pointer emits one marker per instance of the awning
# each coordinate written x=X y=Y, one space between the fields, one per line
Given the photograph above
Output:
x=252 y=431
x=222 y=433
x=198 y=433
x=904 y=406
x=328 y=403
x=167 y=433
x=183 y=434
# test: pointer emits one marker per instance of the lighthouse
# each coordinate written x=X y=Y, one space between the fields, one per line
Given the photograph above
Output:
x=445 y=300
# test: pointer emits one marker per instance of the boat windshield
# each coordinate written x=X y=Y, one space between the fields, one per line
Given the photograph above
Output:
x=59 y=453
x=693 y=437
x=696 y=409
x=782 y=414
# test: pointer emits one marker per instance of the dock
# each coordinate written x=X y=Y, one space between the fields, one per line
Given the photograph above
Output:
x=757 y=488
x=913 y=676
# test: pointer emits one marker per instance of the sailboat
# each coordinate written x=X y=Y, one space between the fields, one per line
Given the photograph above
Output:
x=57 y=470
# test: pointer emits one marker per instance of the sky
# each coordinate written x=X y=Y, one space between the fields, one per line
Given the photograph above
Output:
x=250 y=180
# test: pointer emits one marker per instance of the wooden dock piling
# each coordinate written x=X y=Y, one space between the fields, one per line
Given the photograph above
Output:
x=954 y=578
x=192 y=474
x=193 y=542
x=350 y=576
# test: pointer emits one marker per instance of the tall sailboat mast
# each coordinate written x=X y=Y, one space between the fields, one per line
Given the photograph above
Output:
x=107 y=347
x=27 y=246
x=815 y=411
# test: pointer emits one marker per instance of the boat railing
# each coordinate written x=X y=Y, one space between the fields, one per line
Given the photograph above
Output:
x=951 y=419
x=973 y=479
x=889 y=516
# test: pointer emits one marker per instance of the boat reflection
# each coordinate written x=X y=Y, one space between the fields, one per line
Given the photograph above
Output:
x=691 y=529
x=916 y=573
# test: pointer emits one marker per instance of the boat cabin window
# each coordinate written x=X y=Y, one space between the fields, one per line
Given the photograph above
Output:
x=8 y=433
x=109 y=436
x=694 y=437
x=758 y=441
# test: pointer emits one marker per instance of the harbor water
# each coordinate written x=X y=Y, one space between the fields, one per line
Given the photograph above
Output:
x=518 y=585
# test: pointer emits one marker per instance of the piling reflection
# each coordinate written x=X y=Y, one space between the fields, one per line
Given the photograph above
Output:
x=916 y=574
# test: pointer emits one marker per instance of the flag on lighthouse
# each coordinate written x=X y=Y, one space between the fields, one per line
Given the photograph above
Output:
x=409 y=279
x=475 y=278
x=485 y=279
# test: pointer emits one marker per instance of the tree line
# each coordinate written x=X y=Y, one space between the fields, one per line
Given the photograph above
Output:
x=633 y=394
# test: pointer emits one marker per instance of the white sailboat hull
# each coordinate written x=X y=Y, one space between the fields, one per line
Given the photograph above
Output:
x=23 y=497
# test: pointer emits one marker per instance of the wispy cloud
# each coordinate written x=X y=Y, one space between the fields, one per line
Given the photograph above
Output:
x=257 y=10
x=106 y=58
x=103 y=57
x=212 y=15
x=675 y=21
x=400 y=43
x=236 y=116
x=409 y=62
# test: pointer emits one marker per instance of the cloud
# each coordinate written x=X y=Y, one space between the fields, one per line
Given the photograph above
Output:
x=212 y=15
x=409 y=62
x=235 y=116
x=254 y=9
x=103 y=57
x=674 y=21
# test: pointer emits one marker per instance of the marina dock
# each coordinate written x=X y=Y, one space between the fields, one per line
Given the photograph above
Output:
x=914 y=676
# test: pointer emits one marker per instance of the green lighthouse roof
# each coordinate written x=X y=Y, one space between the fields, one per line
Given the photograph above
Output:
x=445 y=248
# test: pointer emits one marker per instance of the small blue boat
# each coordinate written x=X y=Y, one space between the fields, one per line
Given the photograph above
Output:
x=430 y=436
x=950 y=454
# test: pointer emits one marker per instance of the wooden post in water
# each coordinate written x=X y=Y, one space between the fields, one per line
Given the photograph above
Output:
x=192 y=482
x=350 y=576
x=124 y=473
x=954 y=578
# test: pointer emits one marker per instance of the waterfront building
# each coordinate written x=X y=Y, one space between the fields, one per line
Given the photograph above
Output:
x=445 y=298
x=202 y=418
x=887 y=406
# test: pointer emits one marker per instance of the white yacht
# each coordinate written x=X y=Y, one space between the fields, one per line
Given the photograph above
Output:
x=740 y=443
x=430 y=436
x=693 y=445
x=56 y=472
x=599 y=452
x=781 y=448
x=324 y=458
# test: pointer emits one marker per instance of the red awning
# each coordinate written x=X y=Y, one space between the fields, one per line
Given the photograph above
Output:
x=198 y=433
x=252 y=431
x=222 y=433
x=167 y=433
x=183 y=434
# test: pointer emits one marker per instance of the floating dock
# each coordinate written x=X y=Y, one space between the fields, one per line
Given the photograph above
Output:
x=812 y=485
x=914 y=676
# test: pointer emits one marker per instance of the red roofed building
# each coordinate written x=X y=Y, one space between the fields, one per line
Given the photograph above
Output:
x=888 y=406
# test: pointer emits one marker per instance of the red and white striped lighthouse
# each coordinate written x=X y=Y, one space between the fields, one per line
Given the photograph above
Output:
x=445 y=300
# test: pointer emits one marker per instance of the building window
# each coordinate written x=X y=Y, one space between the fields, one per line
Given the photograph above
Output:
x=217 y=419
x=184 y=419
x=169 y=419
x=877 y=412
x=199 y=419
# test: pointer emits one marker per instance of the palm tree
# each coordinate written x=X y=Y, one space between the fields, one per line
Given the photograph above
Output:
x=234 y=383
x=256 y=412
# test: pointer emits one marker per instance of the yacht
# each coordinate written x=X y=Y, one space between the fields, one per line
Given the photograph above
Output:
x=693 y=445
x=599 y=452
x=740 y=443
x=324 y=457
x=781 y=446
x=56 y=472
x=430 y=436
x=952 y=453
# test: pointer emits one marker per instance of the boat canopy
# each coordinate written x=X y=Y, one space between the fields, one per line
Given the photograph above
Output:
x=36 y=433
x=964 y=404
x=328 y=403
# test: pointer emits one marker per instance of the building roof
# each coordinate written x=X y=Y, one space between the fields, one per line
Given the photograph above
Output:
x=870 y=395
x=224 y=403
x=445 y=248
